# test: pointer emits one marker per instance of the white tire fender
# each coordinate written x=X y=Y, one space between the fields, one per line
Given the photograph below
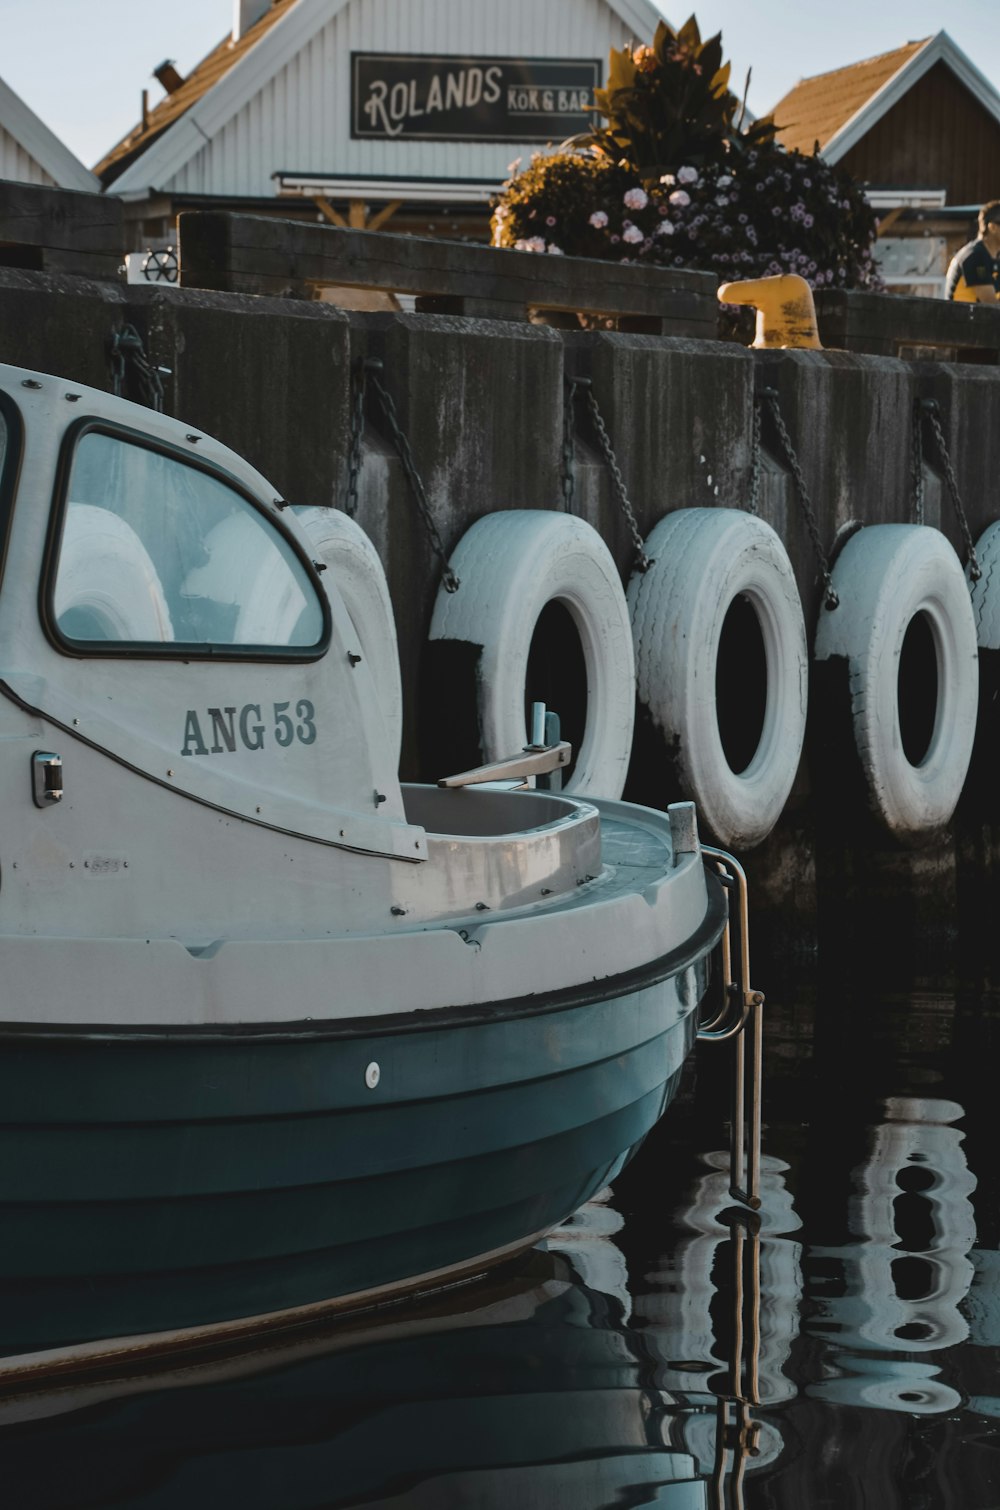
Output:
x=267 y=596
x=885 y=576
x=985 y=593
x=105 y=571
x=511 y=564
x=703 y=559
x=358 y=575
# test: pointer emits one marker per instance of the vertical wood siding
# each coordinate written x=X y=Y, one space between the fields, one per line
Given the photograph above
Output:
x=300 y=120
x=937 y=136
x=19 y=165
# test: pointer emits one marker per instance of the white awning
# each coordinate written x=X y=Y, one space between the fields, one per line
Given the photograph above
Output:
x=446 y=191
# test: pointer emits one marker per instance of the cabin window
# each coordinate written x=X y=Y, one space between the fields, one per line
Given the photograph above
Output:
x=154 y=551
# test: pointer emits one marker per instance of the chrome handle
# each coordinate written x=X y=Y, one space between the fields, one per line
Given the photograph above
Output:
x=46 y=778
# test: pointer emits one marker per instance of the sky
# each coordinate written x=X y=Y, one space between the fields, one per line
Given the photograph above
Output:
x=81 y=65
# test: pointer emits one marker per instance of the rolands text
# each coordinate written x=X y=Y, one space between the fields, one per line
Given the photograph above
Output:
x=390 y=108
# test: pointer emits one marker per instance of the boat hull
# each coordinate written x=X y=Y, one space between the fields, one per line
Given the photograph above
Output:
x=175 y=1180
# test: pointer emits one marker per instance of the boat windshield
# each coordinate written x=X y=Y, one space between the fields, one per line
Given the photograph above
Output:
x=156 y=552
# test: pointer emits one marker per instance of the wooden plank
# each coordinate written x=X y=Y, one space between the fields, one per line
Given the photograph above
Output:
x=102 y=266
x=227 y=251
x=31 y=215
x=884 y=324
x=471 y=309
x=387 y=211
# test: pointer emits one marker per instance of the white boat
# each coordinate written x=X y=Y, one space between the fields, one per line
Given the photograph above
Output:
x=279 y=1032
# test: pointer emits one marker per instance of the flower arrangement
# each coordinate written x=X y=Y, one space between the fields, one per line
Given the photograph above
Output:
x=734 y=203
x=670 y=103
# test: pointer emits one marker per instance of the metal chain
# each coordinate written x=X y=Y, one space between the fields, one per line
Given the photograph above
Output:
x=569 y=442
x=929 y=407
x=357 y=441
x=117 y=366
x=917 y=464
x=642 y=561
x=126 y=346
x=370 y=370
x=755 y=460
x=769 y=396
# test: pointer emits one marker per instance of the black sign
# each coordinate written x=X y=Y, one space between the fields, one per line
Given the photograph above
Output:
x=422 y=98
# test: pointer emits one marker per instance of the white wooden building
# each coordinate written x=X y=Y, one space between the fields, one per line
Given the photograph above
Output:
x=362 y=109
x=30 y=153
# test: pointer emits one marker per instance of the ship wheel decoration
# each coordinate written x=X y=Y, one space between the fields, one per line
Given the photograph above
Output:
x=161 y=266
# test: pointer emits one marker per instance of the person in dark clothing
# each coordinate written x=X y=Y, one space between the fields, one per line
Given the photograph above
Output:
x=974 y=274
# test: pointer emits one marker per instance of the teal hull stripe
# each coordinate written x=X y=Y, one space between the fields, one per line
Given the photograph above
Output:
x=152 y=1218
x=158 y=1160
x=52 y=1312
x=95 y=1080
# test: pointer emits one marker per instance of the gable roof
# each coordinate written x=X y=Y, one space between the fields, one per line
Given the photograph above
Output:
x=41 y=144
x=202 y=78
x=837 y=109
x=232 y=73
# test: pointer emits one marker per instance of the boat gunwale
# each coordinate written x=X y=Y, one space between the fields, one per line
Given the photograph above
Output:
x=651 y=973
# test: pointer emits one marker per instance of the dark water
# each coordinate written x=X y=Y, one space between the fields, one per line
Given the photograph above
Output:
x=660 y=1350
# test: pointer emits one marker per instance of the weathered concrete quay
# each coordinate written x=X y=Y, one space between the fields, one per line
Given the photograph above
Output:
x=478 y=378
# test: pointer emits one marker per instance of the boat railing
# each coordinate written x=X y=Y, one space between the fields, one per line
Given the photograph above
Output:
x=740 y=1015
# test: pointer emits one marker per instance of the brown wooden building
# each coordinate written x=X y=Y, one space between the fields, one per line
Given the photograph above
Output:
x=920 y=126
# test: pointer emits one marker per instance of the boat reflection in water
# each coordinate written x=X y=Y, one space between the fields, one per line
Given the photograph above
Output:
x=539 y=1386
x=720 y=1311
x=900 y=1288
x=679 y=1353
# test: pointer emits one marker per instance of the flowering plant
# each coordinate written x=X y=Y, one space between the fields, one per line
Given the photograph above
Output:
x=670 y=103
x=770 y=212
x=736 y=204
x=578 y=203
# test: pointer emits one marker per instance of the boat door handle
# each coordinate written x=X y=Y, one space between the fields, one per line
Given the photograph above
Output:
x=46 y=778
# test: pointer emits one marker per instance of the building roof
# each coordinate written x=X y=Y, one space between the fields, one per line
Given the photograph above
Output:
x=836 y=109
x=181 y=123
x=817 y=108
x=220 y=61
x=42 y=145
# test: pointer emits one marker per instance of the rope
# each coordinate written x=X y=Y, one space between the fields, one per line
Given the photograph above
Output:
x=769 y=396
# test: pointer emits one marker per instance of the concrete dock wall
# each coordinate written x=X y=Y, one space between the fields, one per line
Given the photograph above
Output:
x=482 y=401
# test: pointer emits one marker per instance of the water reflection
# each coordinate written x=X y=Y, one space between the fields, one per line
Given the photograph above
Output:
x=902 y=1281
x=840 y=1349
x=524 y=1392
x=530 y=1388
x=678 y=1304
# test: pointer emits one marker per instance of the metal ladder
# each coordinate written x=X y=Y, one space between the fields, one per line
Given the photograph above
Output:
x=741 y=1013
